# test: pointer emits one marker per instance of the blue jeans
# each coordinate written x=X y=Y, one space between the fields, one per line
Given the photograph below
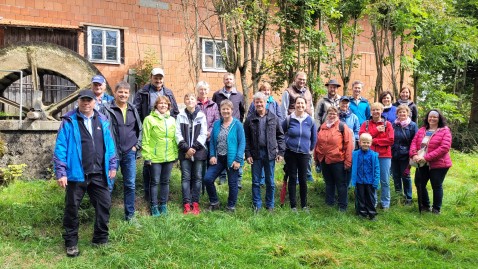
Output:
x=213 y=172
x=335 y=178
x=384 y=181
x=222 y=176
x=191 y=178
x=398 y=166
x=160 y=174
x=128 y=170
x=267 y=166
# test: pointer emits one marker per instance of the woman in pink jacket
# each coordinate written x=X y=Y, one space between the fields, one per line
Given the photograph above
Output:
x=434 y=138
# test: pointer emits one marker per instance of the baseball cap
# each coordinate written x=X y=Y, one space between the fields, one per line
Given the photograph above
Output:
x=98 y=79
x=86 y=94
x=157 y=71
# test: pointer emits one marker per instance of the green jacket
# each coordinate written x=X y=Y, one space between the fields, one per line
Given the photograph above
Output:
x=159 y=138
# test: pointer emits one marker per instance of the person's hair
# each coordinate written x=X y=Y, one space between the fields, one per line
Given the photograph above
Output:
x=365 y=136
x=228 y=74
x=404 y=107
x=264 y=86
x=300 y=97
x=189 y=94
x=299 y=73
x=441 y=119
x=385 y=93
x=259 y=95
x=332 y=109
x=202 y=85
x=227 y=102
x=357 y=82
x=376 y=105
x=406 y=88
x=162 y=98
x=122 y=85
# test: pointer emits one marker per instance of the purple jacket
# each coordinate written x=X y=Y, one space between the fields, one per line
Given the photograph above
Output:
x=211 y=111
x=438 y=152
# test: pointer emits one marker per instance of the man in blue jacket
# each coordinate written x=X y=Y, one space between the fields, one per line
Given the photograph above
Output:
x=85 y=161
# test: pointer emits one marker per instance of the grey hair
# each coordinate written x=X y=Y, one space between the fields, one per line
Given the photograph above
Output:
x=259 y=95
x=202 y=85
x=122 y=85
x=357 y=82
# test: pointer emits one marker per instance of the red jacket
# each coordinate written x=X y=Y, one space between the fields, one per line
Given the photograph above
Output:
x=333 y=146
x=381 y=141
x=438 y=151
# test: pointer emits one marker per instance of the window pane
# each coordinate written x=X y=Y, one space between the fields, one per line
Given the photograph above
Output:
x=219 y=62
x=111 y=38
x=97 y=37
x=208 y=47
x=220 y=46
x=111 y=53
x=209 y=61
x=96 y=52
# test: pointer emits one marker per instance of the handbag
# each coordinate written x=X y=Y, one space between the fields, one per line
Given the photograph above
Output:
x=420 y=153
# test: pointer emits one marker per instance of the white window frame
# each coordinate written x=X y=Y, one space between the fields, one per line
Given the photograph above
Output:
x=216 y=53
x=118 y=45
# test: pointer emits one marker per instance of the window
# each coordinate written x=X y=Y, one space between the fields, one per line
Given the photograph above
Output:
x=212 y=59
x=104 y=45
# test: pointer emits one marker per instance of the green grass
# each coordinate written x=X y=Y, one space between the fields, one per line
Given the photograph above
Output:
x=31 y=225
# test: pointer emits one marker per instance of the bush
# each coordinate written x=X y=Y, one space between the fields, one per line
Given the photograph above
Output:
x=11 y=173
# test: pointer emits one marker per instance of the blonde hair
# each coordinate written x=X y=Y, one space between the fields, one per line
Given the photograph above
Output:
x=404 y=107
x=376 y=105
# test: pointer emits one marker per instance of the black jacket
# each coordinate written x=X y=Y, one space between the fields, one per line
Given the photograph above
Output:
x=141 y=101
x=274 y=136
x=237 y=100
x=107 y=110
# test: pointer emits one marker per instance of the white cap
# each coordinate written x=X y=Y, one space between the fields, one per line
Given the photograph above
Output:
x=157 y=71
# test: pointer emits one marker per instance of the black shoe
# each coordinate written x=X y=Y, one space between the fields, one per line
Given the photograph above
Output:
x=230 y=209
x=99 y=244
x=426 y=208
x=305 y=209
x=408 y=202
x=72 y=251
x=436 y=211
x=214 y=207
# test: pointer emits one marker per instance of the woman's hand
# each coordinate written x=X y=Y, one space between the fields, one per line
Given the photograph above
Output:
x=213 y=161
x=235 y=165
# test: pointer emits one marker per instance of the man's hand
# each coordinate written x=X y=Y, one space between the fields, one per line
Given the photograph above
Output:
x=190 y=153
x=235 y=165
x=112 y=173
x=62 y=182
x=279 y=158
x=250 y=160
x=213 y=161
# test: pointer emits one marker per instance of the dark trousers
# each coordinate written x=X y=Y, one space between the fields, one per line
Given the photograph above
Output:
x=335 y=179
x=146 y=180
x=365 y=201
x=297 y=165
x=97 y=188
x=436 y=177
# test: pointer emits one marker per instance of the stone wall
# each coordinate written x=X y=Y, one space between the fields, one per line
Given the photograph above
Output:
x=34 y=148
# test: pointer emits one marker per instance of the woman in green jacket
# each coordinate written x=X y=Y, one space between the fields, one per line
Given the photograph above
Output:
x=160 y=152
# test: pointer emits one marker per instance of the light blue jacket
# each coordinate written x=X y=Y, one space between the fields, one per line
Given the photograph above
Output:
x=236 y=141
x=67 y=158
x=361 y=110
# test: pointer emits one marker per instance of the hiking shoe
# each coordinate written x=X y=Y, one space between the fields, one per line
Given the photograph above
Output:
x=99 y=244
x=230 y=209
x=72 y=251
x=270 y=209
x=436 y=211
x=305 y=209
x=408 y=202
x=196 y=209
x=214 y=206
x=187 y=209
x=256 y=209
x=294 y=209
x=163 y=210
x=155 y=211
x=426 y=208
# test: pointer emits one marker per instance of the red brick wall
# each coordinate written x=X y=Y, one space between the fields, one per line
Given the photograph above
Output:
x=140 y=26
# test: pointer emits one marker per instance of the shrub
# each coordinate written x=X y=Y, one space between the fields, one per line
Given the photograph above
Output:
x=11 y=173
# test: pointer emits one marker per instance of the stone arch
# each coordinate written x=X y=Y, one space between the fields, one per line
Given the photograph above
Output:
x=39 y=58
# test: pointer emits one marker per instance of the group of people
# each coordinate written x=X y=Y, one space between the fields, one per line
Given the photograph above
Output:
x=212 y=138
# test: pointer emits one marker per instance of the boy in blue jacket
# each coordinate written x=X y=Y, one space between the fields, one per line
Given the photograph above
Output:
x=365 y=177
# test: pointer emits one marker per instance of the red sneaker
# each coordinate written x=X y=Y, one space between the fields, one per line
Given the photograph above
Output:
x=196 y=209
x=187 y=209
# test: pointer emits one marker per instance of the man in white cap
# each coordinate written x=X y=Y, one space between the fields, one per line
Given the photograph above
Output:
x=98 y=86
x=145 y=98
x=144 y=102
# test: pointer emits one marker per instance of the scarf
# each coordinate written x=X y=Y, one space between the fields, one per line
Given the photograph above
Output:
x=404 y=123
x=269 y=100
x=329 y=123
x=344 y=114
x=404 y=102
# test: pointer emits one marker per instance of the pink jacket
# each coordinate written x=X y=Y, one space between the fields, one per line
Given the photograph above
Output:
x=438 y=152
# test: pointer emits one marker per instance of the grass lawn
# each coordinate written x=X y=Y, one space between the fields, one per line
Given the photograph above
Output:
x=31 y=226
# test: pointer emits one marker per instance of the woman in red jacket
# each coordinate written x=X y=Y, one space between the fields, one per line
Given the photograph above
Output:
x=382 y=134
x=434 y=138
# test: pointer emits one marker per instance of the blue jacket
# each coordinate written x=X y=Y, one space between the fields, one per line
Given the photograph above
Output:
x=402 y=139
x=361 y=110
x=271 y=106
x=300 y=136
x=236 y=141
x=67 y=158
x=390 y=114
x=362 y=174
x=353 y=123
